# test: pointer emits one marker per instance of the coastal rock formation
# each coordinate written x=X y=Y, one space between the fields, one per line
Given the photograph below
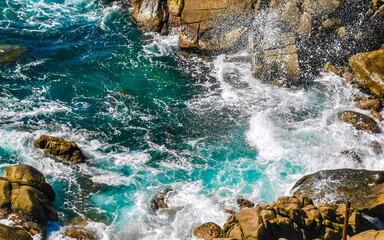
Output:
x=371 y=235
x=293 y=218
x=359 y=121
x=10 y=53
x=79 y=233
x=27 y=200
x=286 y=40
x=61 y=149
x=244 y=203
x=363 y=188
x=368 y=69
x=14 y=233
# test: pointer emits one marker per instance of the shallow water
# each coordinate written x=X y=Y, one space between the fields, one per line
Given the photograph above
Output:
x=148 y=117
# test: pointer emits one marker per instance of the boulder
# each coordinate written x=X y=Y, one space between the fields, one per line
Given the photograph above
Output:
x=26 y=199
x=159 y=199
x=14 y=233
x=369 y=104
x=10 y=53
x=208 y=231
x=368 y=69
x=61 y=149
x=359 y=121
x=79 y=221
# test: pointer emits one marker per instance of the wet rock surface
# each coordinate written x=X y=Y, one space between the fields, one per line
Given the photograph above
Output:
x=27 y=200
x=59 y=148
x=10 y=53
x=208 y=231
x=359 y=121
x=159 y=200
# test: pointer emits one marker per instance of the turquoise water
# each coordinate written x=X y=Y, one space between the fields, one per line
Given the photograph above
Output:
x=149 y=116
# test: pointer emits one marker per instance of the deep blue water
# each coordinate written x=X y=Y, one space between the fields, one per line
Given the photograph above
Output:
x=149 y=116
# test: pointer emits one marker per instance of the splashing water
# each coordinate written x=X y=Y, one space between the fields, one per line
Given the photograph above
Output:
x=148 y=118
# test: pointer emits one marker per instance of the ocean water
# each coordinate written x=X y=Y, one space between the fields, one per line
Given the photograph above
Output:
x=149 y=116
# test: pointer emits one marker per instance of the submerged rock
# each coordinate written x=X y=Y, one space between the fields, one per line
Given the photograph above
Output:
x=79 y=233
x=368 y=69
x=60 y=148
x=359 y=121
x=27 y=200
x=159 y=200
x=208 y=231
x=10 y=53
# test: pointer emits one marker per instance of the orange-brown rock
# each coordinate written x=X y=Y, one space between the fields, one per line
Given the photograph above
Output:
x=359 y=121
x=373 y=104
x=78 y=233
x=244 y=203
x=61 y=149
x=208 y=231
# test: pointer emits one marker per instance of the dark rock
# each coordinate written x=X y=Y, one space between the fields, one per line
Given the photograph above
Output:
x=359 y=121
x=60 y=148
x=351 y=154
x=159 y=200
x=208 y=231
x=10 y=53
x=376 y=146
x=244 y=203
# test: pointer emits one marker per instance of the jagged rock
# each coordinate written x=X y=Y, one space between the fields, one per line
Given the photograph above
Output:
x=14 y=233
x=10 y=53
x=159 y=200
x=208 y=231
x=371 y=235
x=79 y=233
x=368 y=69
x=27 y=200
x=79 y=221
x=359 y=121
x=60 y=148
x=150 y=15
x=244 y=203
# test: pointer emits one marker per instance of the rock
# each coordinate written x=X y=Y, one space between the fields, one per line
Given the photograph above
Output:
x=351 y=154
x=79 y=233
x=60 y=148
x=219 y=26
x=368 y=69
x=27 y=200
x=10 y=53
x=208 y=231
x=376 y=146
x=14 y=233
x=371 y=235
x=150 y=15
x=376 y=115
x=342 y=184
x=373 y=104
x=79 y=221
x=359 y=121
x=244 y=203
x=159 y=200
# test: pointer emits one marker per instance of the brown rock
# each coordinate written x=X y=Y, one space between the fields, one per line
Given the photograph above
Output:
x=14 y=233
x=368 y=69
x=208 y=231
x=79 y=233
x=61 y=149
x=351 y=154
x=373 y=104
x=359 y=121
x=5 y=198
x=376 y=115
x=371 y=235
x=159 y=200
x=79 y=221
x=244 y=203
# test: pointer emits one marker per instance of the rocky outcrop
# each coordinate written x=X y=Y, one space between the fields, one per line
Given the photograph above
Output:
x=79 y=233
x=359 y=121
x=59 y=148
x=364 y=189
x=293 y=218
x=14 y=233
x=10 y=53
x=368 y=69
x=287 y=40
x=27 y=200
